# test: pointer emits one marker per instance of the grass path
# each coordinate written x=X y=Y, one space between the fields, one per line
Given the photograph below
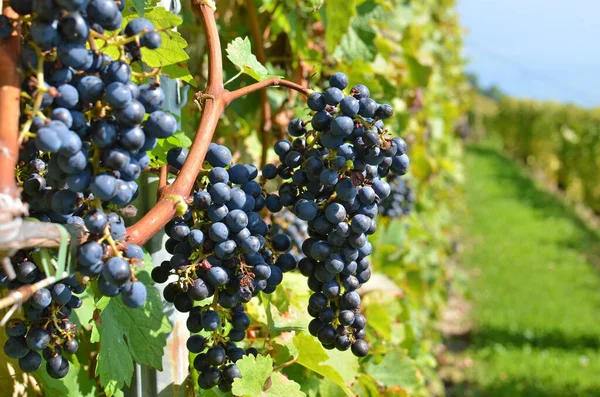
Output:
x=535 y=285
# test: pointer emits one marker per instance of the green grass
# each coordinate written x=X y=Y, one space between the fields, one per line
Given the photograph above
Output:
x=535 y=286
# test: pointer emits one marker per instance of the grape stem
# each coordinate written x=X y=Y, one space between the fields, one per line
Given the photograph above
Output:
x=234 y=77
x=231 y=96
x=286 y=364
x=164 y=210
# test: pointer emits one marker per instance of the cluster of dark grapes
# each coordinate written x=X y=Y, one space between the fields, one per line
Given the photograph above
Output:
x=221 y=249
x=46 y=328
x=334 y=179
x=401 y=199
x=86 y=129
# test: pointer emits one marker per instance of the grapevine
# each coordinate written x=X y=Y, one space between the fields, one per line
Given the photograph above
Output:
x=86 y=128
x=89 y=123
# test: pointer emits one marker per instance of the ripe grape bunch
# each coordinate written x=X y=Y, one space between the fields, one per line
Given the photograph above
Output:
x=401 y=199
x=86 y=128
x=334 y=179
x=221 y=249
x=46 y=328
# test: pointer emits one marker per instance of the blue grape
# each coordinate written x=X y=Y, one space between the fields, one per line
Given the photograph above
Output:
x=160 y=125
x=72 y=54
x=74 y=28
x=176 y=157
x=44 y=34
x=118 y=95
x=133 y=294
x=131 y=114
x=316 y=101
x=116 y=271
x=31 y=362
x=152 y=97
x=37 y=339
x=218 y=156
x=338 y=80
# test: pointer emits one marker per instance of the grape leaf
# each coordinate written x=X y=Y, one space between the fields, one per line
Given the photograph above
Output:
x=313 y=356
x=128 y=335
x=366 y=386
x=239 y=52
x=379 y=319
x=180 y=71
x=337 y=21
x=283 y=387
x=171 y=51
x=180 y=139
x=419 y=73
x=139 y=6
x=255 y=372
x=83 y=316
x=358 y=43
x=394 y=369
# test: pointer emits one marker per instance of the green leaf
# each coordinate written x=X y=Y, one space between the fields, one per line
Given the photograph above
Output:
x=379 y=319
x=180 y=139
x=128 y=335
x=171 y=51
x=179 y=71
x=359 y=41
x=366 y=386
x=239 y=52
x=419 y=74
x=338 y=14
x=255 y=372
x=394 y=369
x=283 y=387
x=139 y=6
x=82 y=317
x=313 y=356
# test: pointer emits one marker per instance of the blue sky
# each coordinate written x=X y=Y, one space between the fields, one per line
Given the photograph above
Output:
x=544 y=49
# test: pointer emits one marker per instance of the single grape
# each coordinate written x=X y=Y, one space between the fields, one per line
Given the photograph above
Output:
x=134 y=294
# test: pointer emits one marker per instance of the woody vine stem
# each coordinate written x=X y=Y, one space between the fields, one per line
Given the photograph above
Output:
x=216 y=98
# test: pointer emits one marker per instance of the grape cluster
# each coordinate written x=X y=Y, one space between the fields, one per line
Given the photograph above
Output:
x=87 y=115
x=46 y=328
x=401 y=199
x=86 y=129
x=334 y=177
x=221 y=249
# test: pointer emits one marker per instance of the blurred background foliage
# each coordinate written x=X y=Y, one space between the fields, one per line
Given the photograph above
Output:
x=409 y=54
x=560 y=143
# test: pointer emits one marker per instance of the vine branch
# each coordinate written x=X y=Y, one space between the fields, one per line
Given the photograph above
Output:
x=216 y=99
x=10 y=92
x=164 y=210
x=231 y=96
